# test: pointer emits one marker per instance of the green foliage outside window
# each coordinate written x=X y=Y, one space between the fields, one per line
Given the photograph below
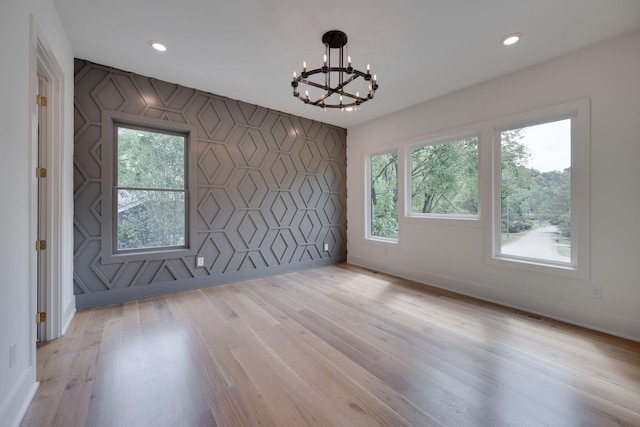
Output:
x=444 y=178
x=516 y=182
x=384 y=195
x=151 y=189
x=530 y=198
x=444 y=181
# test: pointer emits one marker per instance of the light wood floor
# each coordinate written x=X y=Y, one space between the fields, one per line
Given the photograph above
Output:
x=335 y=346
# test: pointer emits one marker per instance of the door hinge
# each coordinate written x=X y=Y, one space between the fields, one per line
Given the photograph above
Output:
x=41 y=172
x=41 y=101
x=41 y=245
x=41 y=317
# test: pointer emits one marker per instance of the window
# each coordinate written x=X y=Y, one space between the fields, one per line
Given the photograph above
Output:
x=444 y=178
x=150 y=189
x=535 y=191
x=541 y=190
x=383 y=188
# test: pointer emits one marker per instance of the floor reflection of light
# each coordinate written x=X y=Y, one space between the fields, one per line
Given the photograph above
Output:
x=142 y=381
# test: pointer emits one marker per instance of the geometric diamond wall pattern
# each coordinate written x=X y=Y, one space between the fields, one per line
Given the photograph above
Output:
x=271 y=188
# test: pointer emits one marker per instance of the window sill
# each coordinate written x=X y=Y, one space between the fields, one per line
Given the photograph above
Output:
x=540 y=266
x=148 y=255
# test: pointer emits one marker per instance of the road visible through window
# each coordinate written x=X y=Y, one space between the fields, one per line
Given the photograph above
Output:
x=536 y=192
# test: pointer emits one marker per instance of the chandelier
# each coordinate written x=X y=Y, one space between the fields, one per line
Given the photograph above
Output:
x=329 y=84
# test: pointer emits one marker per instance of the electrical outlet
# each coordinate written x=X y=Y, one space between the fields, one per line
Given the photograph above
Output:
x=326 y=247
x=596 y=292
x=200 y=261
x=12 y=355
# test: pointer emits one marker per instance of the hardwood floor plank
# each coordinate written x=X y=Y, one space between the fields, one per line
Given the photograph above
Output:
x=73 y=409
x=432 y=375
x=438 y=382
x=333 y=346
x=565 y=354
x=233 y=398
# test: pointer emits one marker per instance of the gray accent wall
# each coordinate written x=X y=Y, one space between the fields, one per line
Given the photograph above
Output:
x=270 y=188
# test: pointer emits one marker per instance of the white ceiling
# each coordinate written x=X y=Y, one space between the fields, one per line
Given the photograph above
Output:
x=419 y=49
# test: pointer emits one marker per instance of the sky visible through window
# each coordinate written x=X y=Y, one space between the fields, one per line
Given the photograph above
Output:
x=547 y=144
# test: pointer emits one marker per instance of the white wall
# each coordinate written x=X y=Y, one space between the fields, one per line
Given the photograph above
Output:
x=17 y=283
x=452 y=255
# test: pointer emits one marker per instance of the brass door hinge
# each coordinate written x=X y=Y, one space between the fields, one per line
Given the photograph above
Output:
x=41 y=172
x=41 y=317
x=41 y=101
x=41 y=245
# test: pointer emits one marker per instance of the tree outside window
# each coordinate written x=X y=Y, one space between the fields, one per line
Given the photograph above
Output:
x=444 y=178
x=384 y=195
x=150 y=189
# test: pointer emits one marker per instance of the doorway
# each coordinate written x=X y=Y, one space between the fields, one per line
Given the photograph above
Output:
x=51 y=302
x=42 y=217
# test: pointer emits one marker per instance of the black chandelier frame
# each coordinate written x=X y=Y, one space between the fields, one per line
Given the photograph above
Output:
x=332 y=40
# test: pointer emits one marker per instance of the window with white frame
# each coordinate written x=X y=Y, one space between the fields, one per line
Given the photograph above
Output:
x=383 y=196
x=541 y=188
x=443 y=178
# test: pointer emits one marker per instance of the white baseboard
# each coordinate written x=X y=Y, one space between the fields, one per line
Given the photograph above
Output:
x=14 y=408
x=67 y=317
x=611 y=324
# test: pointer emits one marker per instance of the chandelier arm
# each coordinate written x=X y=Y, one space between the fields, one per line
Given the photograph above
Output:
x=314 y=84
x=318 y=103
x=338 y=89
x=327 y=88
x=356 y=73
x=350 y=95
x=330 y=91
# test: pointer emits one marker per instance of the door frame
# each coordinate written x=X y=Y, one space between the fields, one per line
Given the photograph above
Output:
x=42 y=221
x=43 y=61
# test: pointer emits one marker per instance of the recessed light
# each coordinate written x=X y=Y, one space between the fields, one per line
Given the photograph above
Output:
x=159 y=46
x=511 y=39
